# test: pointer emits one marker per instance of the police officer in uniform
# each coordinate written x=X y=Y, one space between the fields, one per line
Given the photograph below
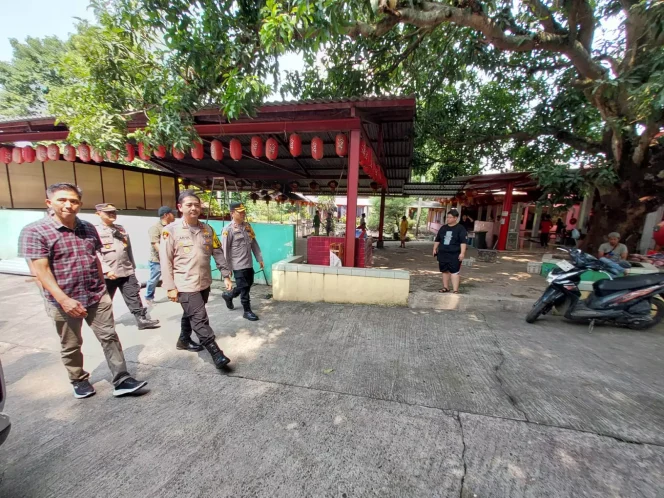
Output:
x=238 y=241
x=184 y=253
x=117 y=263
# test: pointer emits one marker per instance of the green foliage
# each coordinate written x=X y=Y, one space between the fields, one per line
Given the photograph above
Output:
x=395 y=208
x=32 y=73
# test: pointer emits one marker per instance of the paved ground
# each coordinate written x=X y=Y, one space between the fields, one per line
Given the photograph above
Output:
x=336 y=400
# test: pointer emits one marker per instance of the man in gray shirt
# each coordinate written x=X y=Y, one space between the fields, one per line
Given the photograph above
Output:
x=614 y=254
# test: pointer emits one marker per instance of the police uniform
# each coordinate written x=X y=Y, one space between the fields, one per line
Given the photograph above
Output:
x=238 y=241
x=116 y=256
x=184 y=254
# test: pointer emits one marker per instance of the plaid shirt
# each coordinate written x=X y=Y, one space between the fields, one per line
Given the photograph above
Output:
x=72 y=256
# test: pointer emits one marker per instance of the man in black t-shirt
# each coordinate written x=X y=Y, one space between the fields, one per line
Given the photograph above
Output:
x=450 y=249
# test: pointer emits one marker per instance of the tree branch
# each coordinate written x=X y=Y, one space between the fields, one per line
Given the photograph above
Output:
x=545 y=17
x=586 y=19
x=644 y=142
x=574 y=141
x=433 y=14
x=409 y=50
x=615 y=65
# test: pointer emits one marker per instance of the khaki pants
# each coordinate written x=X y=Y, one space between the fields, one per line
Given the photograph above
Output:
x=101 y=321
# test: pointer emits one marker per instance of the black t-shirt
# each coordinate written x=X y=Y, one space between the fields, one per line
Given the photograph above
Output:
x=450 y=239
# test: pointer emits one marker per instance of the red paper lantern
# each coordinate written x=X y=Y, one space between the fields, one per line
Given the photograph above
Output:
x=143 y=152
x=333 y=185
x=84 y=153
x=271 y=149
x=69 y=153
x=160 y=151
x=53 y=152
x=276 y=186
x=29 y=154
x=341 y=145
x=366 y=154
x=295 y=145
x=197 y=150
x=257 y=185
x=254 y=197
x=17 y=155
x=41 y=153
x=5 y=155
x=131 y=153
x=216 y=150
x=317 y=148
x=236 y=149
x=256 y=146
x=97 y=155
x=112 y=155
x=267 y=199
x=178 y=154
x=294 y=186
x=314 y=186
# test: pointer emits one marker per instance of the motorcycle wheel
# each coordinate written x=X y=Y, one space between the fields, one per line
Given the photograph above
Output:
x=539 y=308
x=657 y=314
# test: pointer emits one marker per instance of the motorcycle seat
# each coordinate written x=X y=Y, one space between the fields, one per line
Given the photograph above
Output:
x=606 y=286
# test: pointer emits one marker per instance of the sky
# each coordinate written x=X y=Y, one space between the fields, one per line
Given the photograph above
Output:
x=38 y=18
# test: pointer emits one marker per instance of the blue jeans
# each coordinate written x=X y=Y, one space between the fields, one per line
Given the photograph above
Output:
x=155 y=275
x=616 y=268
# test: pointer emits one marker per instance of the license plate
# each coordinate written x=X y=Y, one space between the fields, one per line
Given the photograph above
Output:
x=565 y=265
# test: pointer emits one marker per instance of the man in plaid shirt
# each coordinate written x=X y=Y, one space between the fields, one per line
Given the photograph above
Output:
x=62 y=250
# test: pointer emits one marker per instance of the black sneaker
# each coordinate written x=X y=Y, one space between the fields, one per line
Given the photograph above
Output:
x=128 y=386
x=250 y=315
x=83 y=389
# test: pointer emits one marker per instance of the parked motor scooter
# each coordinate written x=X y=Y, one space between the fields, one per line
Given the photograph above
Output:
x=632 y=301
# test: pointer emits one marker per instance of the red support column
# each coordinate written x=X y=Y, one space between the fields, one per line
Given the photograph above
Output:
x=381 y=223
x=505 y=218
x=351 y=196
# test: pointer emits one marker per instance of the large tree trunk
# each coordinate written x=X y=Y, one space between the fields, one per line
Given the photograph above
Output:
x=623 y=208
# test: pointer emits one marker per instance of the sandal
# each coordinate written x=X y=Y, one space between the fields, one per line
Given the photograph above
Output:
x=443 y=290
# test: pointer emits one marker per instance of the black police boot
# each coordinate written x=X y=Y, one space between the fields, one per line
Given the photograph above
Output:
x=186 y=344
x=144 y=323
x=220 y=360
x=146 y=315
x=250 y=315
x=229 y=300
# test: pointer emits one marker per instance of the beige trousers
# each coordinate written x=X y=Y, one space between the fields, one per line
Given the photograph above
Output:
x=101 y=321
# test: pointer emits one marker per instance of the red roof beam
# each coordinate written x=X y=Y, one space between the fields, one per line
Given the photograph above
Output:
x=247 y=128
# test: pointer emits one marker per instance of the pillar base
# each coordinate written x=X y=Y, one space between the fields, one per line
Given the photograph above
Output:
x=380 y=244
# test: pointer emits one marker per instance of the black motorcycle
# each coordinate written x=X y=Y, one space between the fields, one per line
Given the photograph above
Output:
x=632 y=301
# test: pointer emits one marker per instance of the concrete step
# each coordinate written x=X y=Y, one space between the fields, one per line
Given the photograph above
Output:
x=469 y=302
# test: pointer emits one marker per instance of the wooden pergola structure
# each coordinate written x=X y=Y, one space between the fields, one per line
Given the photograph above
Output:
x=385 y=123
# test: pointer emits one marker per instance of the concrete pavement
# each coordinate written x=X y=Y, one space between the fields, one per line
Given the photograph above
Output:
x=337 y=400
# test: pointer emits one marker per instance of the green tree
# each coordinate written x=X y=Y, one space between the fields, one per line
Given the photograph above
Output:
x=395 y=208
x=33 y=71
x=540 y=84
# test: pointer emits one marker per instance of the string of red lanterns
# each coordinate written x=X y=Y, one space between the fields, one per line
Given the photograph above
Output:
x=270 y=149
